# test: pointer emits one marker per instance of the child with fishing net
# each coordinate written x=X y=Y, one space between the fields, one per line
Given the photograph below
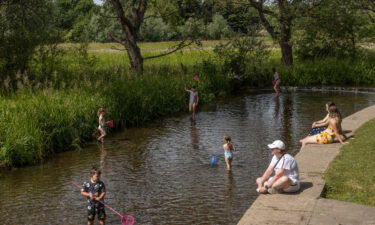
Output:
x=94 y=190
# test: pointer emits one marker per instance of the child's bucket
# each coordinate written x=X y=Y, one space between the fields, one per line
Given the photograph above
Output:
x=213 y=160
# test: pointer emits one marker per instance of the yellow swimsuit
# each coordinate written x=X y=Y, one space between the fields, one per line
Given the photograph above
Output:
x=326 y=136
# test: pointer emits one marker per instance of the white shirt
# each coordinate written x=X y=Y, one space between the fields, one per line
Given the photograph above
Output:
x=288 y=163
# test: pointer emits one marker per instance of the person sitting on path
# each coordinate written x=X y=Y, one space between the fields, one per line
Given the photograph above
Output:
x=317 y=126
x=286 y=178
x=332 y=131
x=193 y=100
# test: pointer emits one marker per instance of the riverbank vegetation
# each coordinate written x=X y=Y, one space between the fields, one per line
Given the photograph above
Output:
x=53 y=77
x=350 y=176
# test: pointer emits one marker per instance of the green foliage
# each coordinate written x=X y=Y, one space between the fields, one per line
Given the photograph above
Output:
x=156 y=30
x=43 y=118
x=332 y=29
x=219 y=28
x=330 y=72
x=244 y=59
x=23 y=27
x=193 y=29
x=73 y=17
x=351 y=176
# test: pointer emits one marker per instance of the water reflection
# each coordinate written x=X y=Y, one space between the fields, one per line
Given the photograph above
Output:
x=277 y=107
x=161 y=175
x=194 y=136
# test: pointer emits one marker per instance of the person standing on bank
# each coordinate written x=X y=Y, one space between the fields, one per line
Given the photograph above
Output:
x=286 y=178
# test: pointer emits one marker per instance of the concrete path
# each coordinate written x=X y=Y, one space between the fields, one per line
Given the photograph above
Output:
x=306 y=207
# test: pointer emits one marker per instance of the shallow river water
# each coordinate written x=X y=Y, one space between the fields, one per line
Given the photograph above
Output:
x=160 y=173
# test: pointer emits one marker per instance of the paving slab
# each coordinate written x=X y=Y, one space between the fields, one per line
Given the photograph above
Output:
x=306 y=207
x=335 y=212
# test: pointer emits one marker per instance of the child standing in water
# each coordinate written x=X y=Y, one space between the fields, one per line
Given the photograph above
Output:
x=94 y=190
x=276 y=81
x=101 y=120
x=193 y=100
x=228 y=151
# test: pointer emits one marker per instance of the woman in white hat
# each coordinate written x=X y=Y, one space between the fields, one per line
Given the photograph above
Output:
x=286 y=178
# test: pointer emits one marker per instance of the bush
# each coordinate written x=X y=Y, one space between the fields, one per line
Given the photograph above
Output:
x=156 y=30
x=219 y=28
x=244 y=60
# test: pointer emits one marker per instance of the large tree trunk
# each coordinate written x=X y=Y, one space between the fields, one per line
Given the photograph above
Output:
x=135 y=57
x=286 y=53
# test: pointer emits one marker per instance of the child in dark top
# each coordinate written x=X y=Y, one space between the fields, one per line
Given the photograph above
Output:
x=94 y=190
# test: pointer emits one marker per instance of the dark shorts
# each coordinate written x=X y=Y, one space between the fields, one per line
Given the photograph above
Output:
x=95 y=208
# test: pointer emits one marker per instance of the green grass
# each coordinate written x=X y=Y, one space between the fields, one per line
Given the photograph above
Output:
x=54 y=106
x=351 y=176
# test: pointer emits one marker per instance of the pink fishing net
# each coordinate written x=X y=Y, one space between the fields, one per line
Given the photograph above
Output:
x=110 y=123
x=127 y=220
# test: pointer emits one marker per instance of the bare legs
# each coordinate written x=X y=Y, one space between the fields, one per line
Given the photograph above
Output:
x=277 y=89
x=228 y=161
x=308 y=140
x=102 y=134
x=281 y=183
x=192 y=107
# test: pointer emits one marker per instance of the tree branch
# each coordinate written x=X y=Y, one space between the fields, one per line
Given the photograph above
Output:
x=118 y=40
x=121 y=14
x=259 y=7
x=180 y=46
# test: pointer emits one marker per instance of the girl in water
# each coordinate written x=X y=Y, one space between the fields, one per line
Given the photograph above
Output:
x=193 y=100
x=228 y=151
x=276 y=82
x=101 y=120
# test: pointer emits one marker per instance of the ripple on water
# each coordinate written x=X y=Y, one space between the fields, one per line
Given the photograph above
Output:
x=161 y=173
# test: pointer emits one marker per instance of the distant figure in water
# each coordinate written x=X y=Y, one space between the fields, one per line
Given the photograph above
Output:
x=228 y=151
x=193 y=100
x=94 y=190
x=101 y=121
x=332 y=131
x=276 y=82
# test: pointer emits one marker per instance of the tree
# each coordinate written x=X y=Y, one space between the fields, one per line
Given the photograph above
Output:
x=277 y=18
x=332 y=29
x=131 y=14
x=73 y=17
x=24 y=26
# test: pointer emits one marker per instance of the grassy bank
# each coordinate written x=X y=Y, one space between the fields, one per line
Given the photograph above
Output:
x=53 y=107
x=35 y=124
x=351 y=176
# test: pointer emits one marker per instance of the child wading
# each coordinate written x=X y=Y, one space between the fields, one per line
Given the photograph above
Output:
x=193 y=100
x=228 y=151
x=276 y=81
x=101 y=120
x=94 y=190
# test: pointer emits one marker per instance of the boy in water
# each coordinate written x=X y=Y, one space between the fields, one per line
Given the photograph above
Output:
x=94 y=190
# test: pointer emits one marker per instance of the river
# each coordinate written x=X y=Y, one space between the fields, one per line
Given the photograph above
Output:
x=160 y=173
